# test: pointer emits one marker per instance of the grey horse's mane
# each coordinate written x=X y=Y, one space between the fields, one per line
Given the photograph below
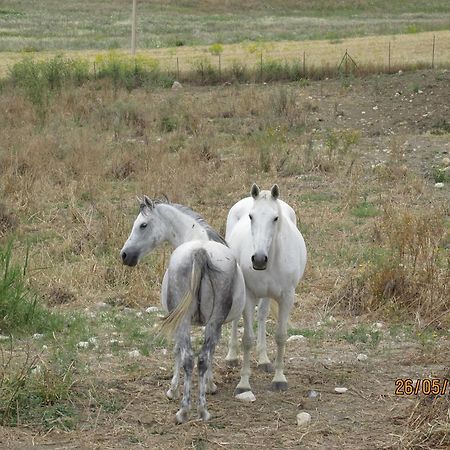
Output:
x=210 y=231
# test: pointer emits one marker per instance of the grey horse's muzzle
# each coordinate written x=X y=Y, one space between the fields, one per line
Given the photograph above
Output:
x=129 y=258
x=259 y=261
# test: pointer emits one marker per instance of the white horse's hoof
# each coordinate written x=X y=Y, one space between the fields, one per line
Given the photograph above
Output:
x=240 y=390
x=266 y=367
x=181 y=417
x=279 y=386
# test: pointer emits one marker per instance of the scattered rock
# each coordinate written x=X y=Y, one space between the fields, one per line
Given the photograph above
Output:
x=303 y=419
x=378 y=325
x=4 y=338
x=439 y=185
x=101 y=305
x=36 y=370
x=313 y=394
x=44 y=347
x=177 y=85
x=295 y=337
x=362 y=357
x=446 y=161
x=83 y=344
x=340 y=390
x=37 y=336
x=152 y=309
x=134 y=354
x=246 y=397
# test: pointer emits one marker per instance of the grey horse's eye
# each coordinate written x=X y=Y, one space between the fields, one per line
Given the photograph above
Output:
x=143 y=225
x=276 y=218
x=251 y=217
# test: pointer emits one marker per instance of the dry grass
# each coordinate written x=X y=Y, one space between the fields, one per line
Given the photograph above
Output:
x=319 y=55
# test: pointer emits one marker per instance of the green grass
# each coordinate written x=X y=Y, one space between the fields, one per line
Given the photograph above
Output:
x=365 y=210
x=20 y=309
x=52 y=25
x=362 y=334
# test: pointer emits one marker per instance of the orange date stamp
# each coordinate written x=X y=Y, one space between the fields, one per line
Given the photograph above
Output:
x=425 y=386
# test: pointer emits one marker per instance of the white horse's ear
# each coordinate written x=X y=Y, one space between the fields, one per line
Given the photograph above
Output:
x=148 y=202
x=275 y=191
x=255 y=190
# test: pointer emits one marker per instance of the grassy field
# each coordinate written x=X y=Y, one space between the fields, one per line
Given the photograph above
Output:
x=364 y=161
x=62 y=25
x=358 y=159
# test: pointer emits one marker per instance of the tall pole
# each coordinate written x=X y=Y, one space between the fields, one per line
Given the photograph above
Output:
x=133 y=29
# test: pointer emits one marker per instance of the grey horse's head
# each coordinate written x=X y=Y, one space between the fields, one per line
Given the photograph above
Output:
x=146 y=234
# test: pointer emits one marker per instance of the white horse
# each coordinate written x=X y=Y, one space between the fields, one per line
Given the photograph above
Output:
x=263 y=235
x=203 y=285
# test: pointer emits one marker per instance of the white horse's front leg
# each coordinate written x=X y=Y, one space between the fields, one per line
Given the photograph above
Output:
x=232 y=358
x=285 y=303
x=247 y=344
x=261 y=345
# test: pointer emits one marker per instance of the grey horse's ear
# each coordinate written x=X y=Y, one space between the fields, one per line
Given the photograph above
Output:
x=255 y=191
x=148 y=202
x=141 y=203
x=275 y=191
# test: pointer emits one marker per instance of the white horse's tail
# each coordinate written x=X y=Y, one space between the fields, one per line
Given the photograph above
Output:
x=201 y=264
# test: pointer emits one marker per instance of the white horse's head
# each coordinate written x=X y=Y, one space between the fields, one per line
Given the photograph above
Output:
x=264 y=219
x=148 y=231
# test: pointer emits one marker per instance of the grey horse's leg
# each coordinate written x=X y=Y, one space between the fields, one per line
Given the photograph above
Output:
x=261 y=345
x=232 y=357
x=211 y=387
x=205 y=359
x=279 y=382
x=174 y=384
x=187 y=359
x=247 y=343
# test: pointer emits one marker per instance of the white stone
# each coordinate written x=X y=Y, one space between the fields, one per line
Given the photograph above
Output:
x=378 y=325
x=4 y=338
x=362 y=357
x=439 y=185
x=176 y=85
x=446 y=161
x=37 y=336
x=152 y=309
x=246 y=397
x=83 y=344
x=340 y=390
x=36 y=370
x=134 y=354
x=303 y=419
x=295 y=337
x=44 y=347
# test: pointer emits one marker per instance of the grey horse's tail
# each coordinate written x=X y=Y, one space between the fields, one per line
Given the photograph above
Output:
x=201 y=265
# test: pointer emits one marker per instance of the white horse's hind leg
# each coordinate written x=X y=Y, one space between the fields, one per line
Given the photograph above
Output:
x=247 y=344
x=279 y=382
x=211 y=387
x=174 y=384
x=232 y=357
x=261 y=345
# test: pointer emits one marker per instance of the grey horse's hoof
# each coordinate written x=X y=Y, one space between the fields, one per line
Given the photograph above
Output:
x=181 y=417
x=232 y=362
x=211 y=389
x=279 y=386
x=239 y=390
x=204 y=415
x=266 y=367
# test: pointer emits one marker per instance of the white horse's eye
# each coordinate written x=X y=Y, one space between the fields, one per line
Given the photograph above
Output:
x=250 y=216
x=276 y=218
x=143 y=225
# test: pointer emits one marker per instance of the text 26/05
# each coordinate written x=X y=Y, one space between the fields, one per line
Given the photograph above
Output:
x=426 y=386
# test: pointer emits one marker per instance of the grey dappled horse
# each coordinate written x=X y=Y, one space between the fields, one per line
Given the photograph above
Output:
x=203 y=285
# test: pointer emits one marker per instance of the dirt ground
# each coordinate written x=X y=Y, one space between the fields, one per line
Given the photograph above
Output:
x=410 y=107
